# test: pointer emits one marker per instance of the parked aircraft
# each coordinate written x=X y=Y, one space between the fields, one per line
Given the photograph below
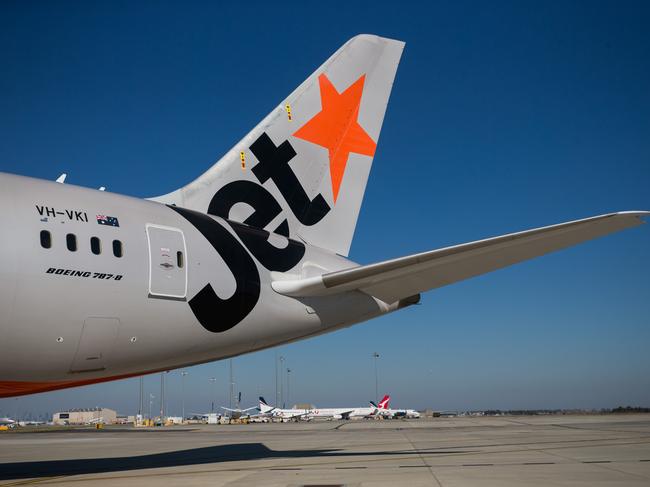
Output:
x=97 y=286
x=238 y=412
x=7 y=422
x=284 y=414
x=323 y=413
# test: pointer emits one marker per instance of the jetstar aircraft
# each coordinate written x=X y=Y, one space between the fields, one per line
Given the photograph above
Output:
x=97 y=286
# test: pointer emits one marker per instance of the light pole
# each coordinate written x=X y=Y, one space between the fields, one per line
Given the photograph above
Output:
x=375 y=356
x=151 y=396
x=281 y=381
x=277 y=396
x=141 y=404
x=288 y=395
x=214 y=391
x=162 y=396
x=183 y=374
x=232 y=386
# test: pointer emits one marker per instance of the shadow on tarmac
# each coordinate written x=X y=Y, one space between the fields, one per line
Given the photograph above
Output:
x=181 y=458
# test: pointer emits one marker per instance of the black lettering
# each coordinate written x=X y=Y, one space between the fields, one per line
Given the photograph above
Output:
x=39 y=209
x=216 y=314
x=118 y=277
x=283 y=229
x=254 y=238
x=50 y=211
x=274 y=164
x=50 y=270
x=58 y=271
x=78 y=216
x=70 y=213
x=271 y=257
x=67 y=272
x=86 y=274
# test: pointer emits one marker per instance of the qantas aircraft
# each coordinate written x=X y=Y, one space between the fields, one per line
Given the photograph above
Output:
x=98 y=286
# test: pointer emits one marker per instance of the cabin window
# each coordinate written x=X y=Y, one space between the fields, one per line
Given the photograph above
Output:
x=95 y=245
x=71 y=242
x=117 y=248
x=179 y=259
x=46 y=239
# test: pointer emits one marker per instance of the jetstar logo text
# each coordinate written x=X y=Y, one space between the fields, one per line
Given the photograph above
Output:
x=336 y=128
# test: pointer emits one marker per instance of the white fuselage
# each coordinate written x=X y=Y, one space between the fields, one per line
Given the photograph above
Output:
x=186 y=288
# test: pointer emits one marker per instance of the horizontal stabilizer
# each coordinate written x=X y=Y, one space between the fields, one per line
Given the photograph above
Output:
x=403 y=277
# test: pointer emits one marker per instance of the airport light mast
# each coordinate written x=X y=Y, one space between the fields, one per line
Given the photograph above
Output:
x=282 y=381
x=277 y=396
x=214 y=391
x=288 y=396
x=232 y=386
x=141 y=404
x=183 y=374
x=375 y=356
x=162 y=396
x=151 y=397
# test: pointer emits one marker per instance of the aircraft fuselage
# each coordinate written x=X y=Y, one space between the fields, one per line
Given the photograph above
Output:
x=157 y=288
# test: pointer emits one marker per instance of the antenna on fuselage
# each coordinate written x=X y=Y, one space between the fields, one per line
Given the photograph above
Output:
x=102 y=188
x=61 y=178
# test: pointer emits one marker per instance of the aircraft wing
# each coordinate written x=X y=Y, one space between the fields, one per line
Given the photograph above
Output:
x=405 y=277
x=346 y=414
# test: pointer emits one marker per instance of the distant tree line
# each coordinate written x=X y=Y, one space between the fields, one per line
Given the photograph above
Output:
x=630 y=409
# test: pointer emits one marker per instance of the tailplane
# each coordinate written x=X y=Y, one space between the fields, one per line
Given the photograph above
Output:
x=302 y=171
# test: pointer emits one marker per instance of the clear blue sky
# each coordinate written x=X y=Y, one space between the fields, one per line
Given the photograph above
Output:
x=504 y=116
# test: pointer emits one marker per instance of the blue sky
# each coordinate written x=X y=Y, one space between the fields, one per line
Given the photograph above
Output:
x=503 y=117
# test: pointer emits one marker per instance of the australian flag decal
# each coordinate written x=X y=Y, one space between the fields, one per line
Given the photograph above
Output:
x=111 y=221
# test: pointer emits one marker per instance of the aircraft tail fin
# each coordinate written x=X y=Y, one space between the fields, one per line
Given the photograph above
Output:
x=383 y=404
x=264 y=407
x=302 y=171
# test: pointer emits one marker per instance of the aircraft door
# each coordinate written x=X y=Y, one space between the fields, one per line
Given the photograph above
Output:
x=167 y=262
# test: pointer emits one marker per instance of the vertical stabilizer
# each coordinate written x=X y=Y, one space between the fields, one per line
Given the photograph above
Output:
x=303 y=170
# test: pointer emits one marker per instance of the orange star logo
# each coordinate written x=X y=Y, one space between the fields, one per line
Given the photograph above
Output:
x=336 y=128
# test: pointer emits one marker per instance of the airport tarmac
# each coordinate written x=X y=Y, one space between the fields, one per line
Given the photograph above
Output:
x=467 y=451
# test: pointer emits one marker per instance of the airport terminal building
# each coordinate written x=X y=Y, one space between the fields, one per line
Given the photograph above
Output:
x=85 y=416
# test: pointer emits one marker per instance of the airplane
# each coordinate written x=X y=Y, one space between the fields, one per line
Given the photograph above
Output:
x=347 y=413
x=283 y=414
x=400 y=413
x=384 y=410
x=97 y=286
x=238 y=413
x=8 y=422
x=322 y=413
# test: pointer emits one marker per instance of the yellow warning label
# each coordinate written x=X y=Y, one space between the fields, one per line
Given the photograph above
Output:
x=242 y=156
x=288 y=109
